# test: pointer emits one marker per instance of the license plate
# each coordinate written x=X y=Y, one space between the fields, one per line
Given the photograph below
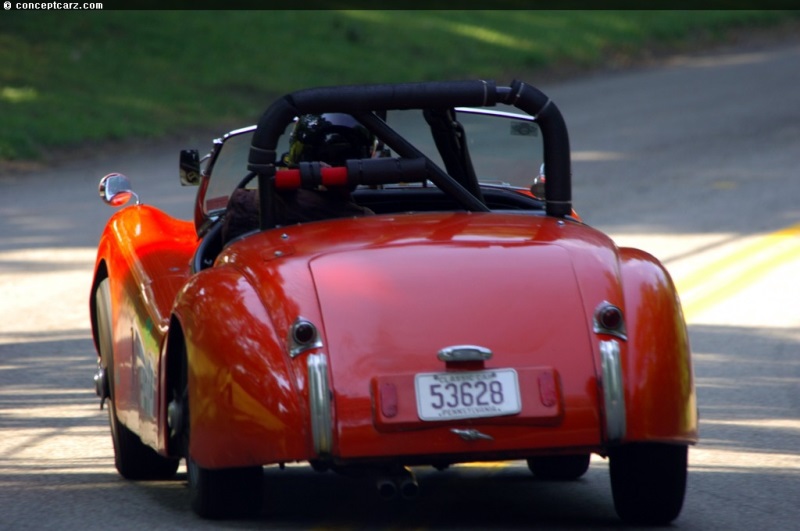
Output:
x=467 y=395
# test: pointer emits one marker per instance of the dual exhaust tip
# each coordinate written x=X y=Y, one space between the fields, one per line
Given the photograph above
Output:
x=402 y=484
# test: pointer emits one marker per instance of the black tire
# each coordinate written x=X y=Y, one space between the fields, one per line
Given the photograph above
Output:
x=559 y=467
x=132 y=458
x=216 y=494
x=648 y=482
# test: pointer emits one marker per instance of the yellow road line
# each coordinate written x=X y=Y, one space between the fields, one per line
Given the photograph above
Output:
x=720 y=279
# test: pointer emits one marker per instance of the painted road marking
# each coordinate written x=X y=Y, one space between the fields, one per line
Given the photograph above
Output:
x=737 y=270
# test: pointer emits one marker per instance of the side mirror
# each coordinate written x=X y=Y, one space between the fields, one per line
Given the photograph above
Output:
x=190 y=167
x=537 y=188
x=115 y=190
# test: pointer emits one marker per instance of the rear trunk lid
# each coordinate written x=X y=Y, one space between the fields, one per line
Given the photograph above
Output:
x=509 y=288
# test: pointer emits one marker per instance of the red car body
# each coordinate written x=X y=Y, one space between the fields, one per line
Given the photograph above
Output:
x=306 y=342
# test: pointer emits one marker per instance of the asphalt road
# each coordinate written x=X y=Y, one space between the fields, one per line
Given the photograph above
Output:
x=695 y=161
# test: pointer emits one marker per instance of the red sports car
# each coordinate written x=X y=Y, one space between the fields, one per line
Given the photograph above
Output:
x=379 y=277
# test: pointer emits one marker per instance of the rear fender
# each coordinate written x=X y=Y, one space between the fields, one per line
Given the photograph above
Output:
x=657 y=372
x=101 y=272
x=144 y=253
x=243 y=397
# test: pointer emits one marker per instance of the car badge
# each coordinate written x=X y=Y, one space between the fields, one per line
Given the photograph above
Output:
x=471 y=434
x=464 y=353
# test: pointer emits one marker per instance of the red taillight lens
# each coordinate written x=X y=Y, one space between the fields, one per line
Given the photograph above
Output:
x=611 y=317
x=608 y=319
x=304 y=332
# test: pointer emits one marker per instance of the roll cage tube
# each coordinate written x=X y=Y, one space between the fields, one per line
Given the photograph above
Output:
x=557 y=160
x=363 y=100
x=407 y=150
x=368 y=172
x=449 y=137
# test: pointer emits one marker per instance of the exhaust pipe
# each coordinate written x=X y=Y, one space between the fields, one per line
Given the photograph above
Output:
x=402 y=482
x=409 y=488
x=387 y=489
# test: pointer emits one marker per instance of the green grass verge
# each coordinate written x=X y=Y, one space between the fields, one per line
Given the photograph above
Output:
x=70 y=77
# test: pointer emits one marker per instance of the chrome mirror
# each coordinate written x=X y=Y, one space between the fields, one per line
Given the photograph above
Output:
x=537 y=188
x=115 y=190
x=189 y=167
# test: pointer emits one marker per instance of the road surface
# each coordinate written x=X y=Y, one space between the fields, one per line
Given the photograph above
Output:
x=695 y=160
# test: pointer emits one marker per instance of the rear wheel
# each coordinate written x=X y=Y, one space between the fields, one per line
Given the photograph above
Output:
x=223 y=493
x=133 y=458
x=559 y=467
x=648 y=481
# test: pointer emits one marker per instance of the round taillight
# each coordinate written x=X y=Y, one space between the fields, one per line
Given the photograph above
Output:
x=610 y=317
x=304 y=332
x=303 y=335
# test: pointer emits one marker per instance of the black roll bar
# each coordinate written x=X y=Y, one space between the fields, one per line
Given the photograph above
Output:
x=361 y=99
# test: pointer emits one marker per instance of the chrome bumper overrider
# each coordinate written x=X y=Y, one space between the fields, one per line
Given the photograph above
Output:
x=319 y=397
x=613 y=390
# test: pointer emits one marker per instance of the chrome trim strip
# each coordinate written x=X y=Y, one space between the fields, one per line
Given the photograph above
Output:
x=492 y=112
x=613 y=390
x=319 y=398
x=464 y=353
x=242 y=130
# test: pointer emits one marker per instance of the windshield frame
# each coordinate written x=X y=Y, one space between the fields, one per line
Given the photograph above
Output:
x=215 y=193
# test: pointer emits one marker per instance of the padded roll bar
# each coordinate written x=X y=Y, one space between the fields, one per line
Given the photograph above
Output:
x=360 y=99
x=557 y=160
x=355 y=172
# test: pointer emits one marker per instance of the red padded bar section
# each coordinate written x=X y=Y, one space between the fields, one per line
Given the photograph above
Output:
x=287 y=179
x=290 y=179
x=334 y=176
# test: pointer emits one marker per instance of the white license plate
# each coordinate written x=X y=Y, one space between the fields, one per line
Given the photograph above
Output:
x=467 y=395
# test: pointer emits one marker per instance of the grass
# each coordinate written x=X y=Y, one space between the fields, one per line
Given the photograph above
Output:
x=67 y=78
